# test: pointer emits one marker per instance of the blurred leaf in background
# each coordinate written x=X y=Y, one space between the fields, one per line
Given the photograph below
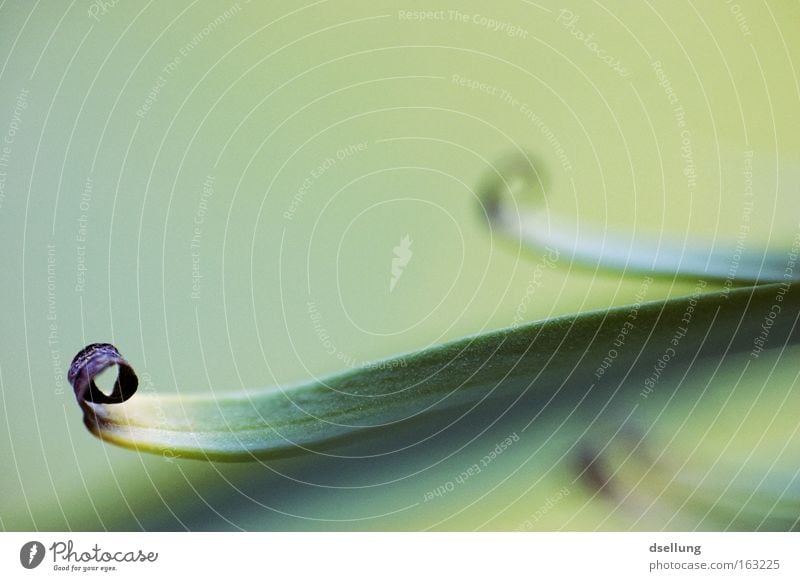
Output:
x=219 y=189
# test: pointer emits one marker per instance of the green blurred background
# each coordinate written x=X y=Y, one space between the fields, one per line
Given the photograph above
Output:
x=218 y=188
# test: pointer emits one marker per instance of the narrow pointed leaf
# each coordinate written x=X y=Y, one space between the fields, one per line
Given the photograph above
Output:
x=539 y=356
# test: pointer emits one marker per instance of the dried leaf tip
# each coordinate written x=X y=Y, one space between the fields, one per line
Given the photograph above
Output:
x=89 y=363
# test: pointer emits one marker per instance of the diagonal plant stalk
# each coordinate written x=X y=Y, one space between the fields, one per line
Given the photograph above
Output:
x=279 y=421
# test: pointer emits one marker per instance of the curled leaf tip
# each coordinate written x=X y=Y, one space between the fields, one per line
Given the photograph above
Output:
x=510 y=177
x=592 y=472
x=88 y=364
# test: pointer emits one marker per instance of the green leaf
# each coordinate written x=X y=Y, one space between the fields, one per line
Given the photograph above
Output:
x=286 y=420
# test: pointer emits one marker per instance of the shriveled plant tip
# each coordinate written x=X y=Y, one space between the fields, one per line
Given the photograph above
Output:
x=89 y=363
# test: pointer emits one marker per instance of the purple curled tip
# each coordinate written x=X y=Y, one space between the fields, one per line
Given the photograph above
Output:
x=89 y=363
